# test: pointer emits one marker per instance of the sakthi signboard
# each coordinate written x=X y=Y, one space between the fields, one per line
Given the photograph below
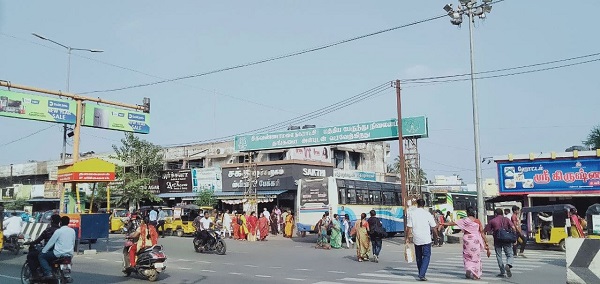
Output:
x=415 y=127
x=550 y=176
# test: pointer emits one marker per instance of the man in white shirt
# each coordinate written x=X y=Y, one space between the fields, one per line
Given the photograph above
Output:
x=204 y=226
x=12 y=225
x=419 y=223
x=153 y=216
x=63 y=241
x=226 y=224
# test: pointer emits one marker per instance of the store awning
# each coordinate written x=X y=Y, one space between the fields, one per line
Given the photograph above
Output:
x=44 y=200
x=177 y=195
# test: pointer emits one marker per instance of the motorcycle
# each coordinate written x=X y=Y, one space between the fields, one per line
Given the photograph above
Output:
x=61 y=270
x=217 y=245
x=150 y=261
x=14 y=243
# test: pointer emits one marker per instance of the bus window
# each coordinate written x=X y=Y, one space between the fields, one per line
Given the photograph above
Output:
x=342 y=195
x=388 y=198
x=351 y=196
x=397 y=199
x=362 y=196
x=439 y=198
x=340 y=183
x=375 y=196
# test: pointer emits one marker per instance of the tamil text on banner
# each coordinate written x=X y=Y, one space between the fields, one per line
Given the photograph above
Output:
x=27 y=106
x=175 y=181
x=116 y=118
x=415 y=127
x=566 y=175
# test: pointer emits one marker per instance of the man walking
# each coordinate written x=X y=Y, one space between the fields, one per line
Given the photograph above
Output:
x=419 y=224
x=153 y=216
x=162 y=217
x=374 y=230
x=521 y=239
x=500 y=222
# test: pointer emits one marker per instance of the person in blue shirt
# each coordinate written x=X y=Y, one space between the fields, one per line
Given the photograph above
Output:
x=63 y=241
x=25 y=216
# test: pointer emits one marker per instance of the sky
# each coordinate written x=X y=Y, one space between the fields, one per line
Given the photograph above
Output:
x=145 y=41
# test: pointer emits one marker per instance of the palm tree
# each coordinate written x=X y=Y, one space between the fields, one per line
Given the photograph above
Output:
x=395 y=168
x=593 y=139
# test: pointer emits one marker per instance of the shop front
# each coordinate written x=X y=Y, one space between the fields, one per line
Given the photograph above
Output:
x=276 y=183
x=553 y=178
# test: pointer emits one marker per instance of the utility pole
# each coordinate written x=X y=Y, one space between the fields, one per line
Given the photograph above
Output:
x=401 y=166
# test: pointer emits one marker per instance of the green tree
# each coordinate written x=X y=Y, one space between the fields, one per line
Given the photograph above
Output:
x=144 y=162
x=593 y=139
x=206 y=198
x=395 y=168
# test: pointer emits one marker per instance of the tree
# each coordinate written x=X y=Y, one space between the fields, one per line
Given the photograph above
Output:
x=395 y=168
x=18 y=204
x=593 y=139
x=206 y=198
x=144 y=162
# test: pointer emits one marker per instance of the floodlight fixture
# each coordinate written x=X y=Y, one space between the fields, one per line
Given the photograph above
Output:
x=487 y=9
x=448 y=8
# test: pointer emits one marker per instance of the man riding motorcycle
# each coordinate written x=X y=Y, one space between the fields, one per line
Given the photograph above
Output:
x=32 y=256
x=63 y=241
x=12 y=225
x=202 y=225
x=145 y=236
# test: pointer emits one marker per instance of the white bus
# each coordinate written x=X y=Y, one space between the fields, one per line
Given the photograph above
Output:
x=347 y=196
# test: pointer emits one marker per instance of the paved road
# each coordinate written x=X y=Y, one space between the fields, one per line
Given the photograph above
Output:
x=287 y=261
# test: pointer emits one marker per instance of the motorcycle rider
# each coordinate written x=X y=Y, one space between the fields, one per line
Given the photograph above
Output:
x=12 y=225
x=145 y=236
x=202 y=229
x=62 y=242
x=32 y=256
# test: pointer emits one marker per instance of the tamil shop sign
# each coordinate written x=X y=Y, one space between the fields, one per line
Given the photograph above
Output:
x=175 y=181
x=549 y=176
x=113 y=118
x=27 y=106
x=348 y=174
x=272 y=177
x=412 y=127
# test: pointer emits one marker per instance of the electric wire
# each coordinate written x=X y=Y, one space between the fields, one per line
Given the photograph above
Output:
x=28 y=135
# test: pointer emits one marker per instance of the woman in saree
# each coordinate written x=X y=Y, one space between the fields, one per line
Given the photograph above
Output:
x=474 y=242
x=289 y=225
x=336 y=233
x=576 y=227
x=274 y=223
x=236 y=226
x=363 y=243
x=263 y=227
x=243 y=226
x=252 y=226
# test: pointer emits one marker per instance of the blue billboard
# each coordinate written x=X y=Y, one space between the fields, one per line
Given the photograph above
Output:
x=550 y=176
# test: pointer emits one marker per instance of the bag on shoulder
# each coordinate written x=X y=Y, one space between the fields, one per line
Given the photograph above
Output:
x=506 y=235
x=379 y=231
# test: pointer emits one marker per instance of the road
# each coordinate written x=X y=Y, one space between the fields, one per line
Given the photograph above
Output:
x=282 y=260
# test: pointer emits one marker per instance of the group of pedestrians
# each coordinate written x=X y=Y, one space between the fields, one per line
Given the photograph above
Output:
x=421 y=225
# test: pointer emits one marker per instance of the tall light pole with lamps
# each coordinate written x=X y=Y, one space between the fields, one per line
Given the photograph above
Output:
x=69 y=51
x=473 y=9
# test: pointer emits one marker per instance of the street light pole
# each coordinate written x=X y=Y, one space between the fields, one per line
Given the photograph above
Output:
x=65 y=128
x=472 y=9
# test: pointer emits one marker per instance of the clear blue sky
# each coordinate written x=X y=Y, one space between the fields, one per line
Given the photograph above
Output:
x=539 y=112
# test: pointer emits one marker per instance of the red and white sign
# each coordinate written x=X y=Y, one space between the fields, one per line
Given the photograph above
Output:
x=83 y=177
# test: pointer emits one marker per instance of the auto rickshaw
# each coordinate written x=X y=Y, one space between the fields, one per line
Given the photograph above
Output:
x=183 y=219
x=554 y=227
x=168 y=227
x=116 y=219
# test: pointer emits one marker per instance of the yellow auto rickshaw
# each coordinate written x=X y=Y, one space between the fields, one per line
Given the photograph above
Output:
x=546 y=224
x=116 y=219
x=183 y=218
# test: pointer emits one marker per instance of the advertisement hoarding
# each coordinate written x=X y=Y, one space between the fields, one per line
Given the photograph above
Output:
x=27 y=106
x=345 y=134
x=316 y=154
x=207 y=179
x=113 y=118
x=175 y=181
x=273 y=177
x=555 y=176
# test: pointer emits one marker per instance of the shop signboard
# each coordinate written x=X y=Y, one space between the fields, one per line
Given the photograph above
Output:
x=8 y=193
x=28 y=106
x=368 y=176
x=51 y=189
x=273 y=177
x=175 y=181
x=37 y=191
x=549 y=176
x=316 y=154
x=412 y=127
x=113 y=118
x=207 y=179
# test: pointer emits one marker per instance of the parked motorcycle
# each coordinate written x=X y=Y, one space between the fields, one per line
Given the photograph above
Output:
x=61 y=270
x=217 y=245
x=14 y=243
x=150 y=261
